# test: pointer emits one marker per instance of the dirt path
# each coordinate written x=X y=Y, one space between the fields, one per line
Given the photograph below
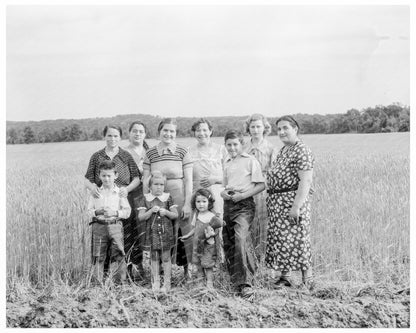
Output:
x=135 y=306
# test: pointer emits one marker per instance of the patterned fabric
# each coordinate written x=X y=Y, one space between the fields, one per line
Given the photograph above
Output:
x=288 y=245
x=172 y=162
x=133 y=230
x=199 y=252
x=125 y=166
x=158 y=229
x=264 y=153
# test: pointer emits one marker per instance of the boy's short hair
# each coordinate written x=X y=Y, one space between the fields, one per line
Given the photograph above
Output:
x=107 y=165
x=157 y=175
x=233 y=134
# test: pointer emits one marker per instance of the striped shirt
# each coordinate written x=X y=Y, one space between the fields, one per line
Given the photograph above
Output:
x=171 y=161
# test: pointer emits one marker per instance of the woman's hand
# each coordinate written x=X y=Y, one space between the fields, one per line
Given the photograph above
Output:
x=123 y=192
x=186 y=212
x=294 y=214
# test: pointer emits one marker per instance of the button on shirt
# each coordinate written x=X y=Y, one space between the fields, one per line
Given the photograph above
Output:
x=109 y=199
x=242 y=172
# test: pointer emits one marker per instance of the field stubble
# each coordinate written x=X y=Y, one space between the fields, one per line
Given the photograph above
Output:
x=360 y=233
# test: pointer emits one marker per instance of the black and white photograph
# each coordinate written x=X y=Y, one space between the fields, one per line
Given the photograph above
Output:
x=207 y=165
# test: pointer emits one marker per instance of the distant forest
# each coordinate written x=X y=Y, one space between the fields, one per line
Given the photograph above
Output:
x=391 y=118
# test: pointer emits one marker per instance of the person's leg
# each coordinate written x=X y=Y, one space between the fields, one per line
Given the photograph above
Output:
x=186 y=246
x=209 y=273
x=245 y=259
x=154 y=254
x=167 y=271
x=228 y=238
x=99 y=248
x=118 y=265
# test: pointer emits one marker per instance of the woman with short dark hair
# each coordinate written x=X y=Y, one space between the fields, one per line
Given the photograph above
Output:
x=289 y=182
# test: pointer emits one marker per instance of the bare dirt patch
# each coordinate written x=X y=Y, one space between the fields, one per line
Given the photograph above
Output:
x=192 y=306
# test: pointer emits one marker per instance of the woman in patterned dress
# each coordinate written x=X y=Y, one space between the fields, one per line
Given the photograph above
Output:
x=258 y=127
x=137 y=148
x=175 y=162
x=289 y=183
x=207 y=158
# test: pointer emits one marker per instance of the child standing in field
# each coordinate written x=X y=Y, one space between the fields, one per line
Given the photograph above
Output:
x=205 y=235
x=243 y=179
x=106 y=213
x=158 y=212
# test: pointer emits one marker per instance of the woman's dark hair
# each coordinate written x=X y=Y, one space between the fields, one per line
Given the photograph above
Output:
x=138 y=122
x=118 y=128
x=200 y=121
x=233 y=134
x=166 y=121
x=205 y=193
x=290 y=120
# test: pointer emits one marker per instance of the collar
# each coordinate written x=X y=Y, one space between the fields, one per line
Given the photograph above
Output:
x=163 y=197
x=206 y=218
x=166 y=150
x=115 y=188
x=243 y=154
x=264 y=144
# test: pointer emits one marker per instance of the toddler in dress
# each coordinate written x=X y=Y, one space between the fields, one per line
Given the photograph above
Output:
x=205 y=235
x=157 y=211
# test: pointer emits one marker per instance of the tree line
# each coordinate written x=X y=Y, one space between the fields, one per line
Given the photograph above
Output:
x=378 y=119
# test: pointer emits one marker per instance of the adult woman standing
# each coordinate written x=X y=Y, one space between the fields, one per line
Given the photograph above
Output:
x=207 y=158
x=128 y=175
x=134 y=232
x=175 y=162
x=258 y=127
x=289 y=182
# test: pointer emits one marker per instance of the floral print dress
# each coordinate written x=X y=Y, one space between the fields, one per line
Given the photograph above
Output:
x=288 y=245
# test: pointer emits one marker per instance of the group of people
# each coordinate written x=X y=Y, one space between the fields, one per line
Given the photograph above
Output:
x=239 y=202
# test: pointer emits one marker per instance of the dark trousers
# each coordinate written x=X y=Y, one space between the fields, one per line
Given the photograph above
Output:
x=237 y=238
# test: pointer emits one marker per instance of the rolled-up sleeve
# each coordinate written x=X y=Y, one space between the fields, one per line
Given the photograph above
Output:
x=256 y=173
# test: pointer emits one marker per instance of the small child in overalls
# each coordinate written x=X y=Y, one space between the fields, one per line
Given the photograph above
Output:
x=158 y=212
x=205 y=235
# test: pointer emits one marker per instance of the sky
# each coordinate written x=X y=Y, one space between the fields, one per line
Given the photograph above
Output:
x=76 y=62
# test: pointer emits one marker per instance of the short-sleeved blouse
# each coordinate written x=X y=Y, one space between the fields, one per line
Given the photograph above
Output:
x=126 y=167
x=171 y=161
x=264 y=152
x=207 y=162
x=137 y=158
x=283 y=174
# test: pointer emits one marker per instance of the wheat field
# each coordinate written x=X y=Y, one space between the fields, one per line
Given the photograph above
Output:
x=360 y=221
